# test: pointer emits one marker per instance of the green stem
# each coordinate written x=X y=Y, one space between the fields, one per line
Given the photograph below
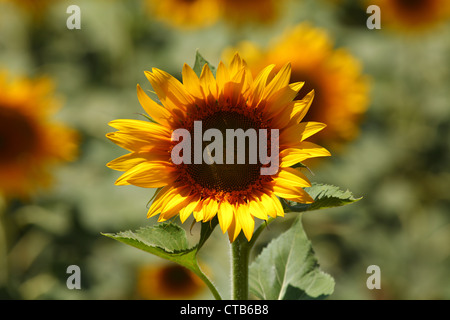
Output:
x=196 y=269
x=240 y=250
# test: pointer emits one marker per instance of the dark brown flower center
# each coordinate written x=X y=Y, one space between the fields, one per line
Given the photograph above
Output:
x=226 y=176
x=17 y=136
x=176 y=278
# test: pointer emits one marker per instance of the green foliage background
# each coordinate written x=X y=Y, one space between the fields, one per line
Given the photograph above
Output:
x=399 y=164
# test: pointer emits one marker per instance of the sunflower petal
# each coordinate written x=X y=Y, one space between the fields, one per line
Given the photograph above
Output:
x=296 y=194
x=208 y=84
x=154 y=110
x=189 y=208
x=129 y=160
x=148 y=175
x=191 y=81
x=260 y=83
x=132 y=125
x=304 y=150
x=225 y=215
x=296 y=133
x=281 y=80
x=246 y=220
x=257 y=209
x=301 y=107
x=291 y=177
x=235 y=227
x=210 y=210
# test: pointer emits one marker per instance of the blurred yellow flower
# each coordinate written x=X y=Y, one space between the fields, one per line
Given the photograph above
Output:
x=341 y=91
x=168 y=282
x=236 y=193
x=185 y=13
x=34 y=7
x=244 y=11
x=412 y=15
x=30 y=141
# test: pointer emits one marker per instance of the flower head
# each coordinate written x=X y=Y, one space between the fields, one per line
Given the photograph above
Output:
x=413 y=15
x=167 y=282
x=189 y=14
x=239 y=12
x=233 y=101
x=341 y=90
x=30 y=141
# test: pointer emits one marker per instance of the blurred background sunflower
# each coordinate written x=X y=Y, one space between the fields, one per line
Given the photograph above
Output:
x=31 y=142
x=341 y=91
x=386 y=95
x=415 y=15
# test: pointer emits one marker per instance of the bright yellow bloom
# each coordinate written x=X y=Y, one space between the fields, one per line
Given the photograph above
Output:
x=30 y=141
x=412 y=15
x=187 y=14
x=234 y=99
x=341 y=91
x=167 y=282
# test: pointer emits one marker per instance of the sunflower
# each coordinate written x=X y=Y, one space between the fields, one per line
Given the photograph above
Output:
x=341 y=90
x=189 y=14
x=33 y=7
x=168 y=281
x=30 y=142
x=413 y=15
x=236 y=193
x=244 y=11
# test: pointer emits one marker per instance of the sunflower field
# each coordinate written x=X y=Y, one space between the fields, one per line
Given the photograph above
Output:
x=353 y=99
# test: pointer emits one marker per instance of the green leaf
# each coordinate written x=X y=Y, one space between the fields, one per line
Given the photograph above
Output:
x=166 y=240
x=325 y=196
x=169 y=241
x=200 y=62
x=288 y=269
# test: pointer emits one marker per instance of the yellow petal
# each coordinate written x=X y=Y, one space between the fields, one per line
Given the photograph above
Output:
x=154 y=110
x=235 y=227
x=160 y=201
x=257 y=209
x=222 y=76
x=172 y=88
x=310 y=128
x=291 y=177
x=225 y=215
x=208 y=84
x=236 y=64
x=304 y=150
x=132 y=125
x=137 y=142
x=246 y=220
x=292 y=193
x=282 y=98
x=277 y=205
x=148 y=175
x=191 y=82
x=301 y=107
x=296 y=133
x=199 y=210
x=281 y=80
x=189 y=208
x=271 y=206
x=167 y=94
x=168 y=202
x=128 y=161
x=177 y=202
x=210 y=210
x=260 y=83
